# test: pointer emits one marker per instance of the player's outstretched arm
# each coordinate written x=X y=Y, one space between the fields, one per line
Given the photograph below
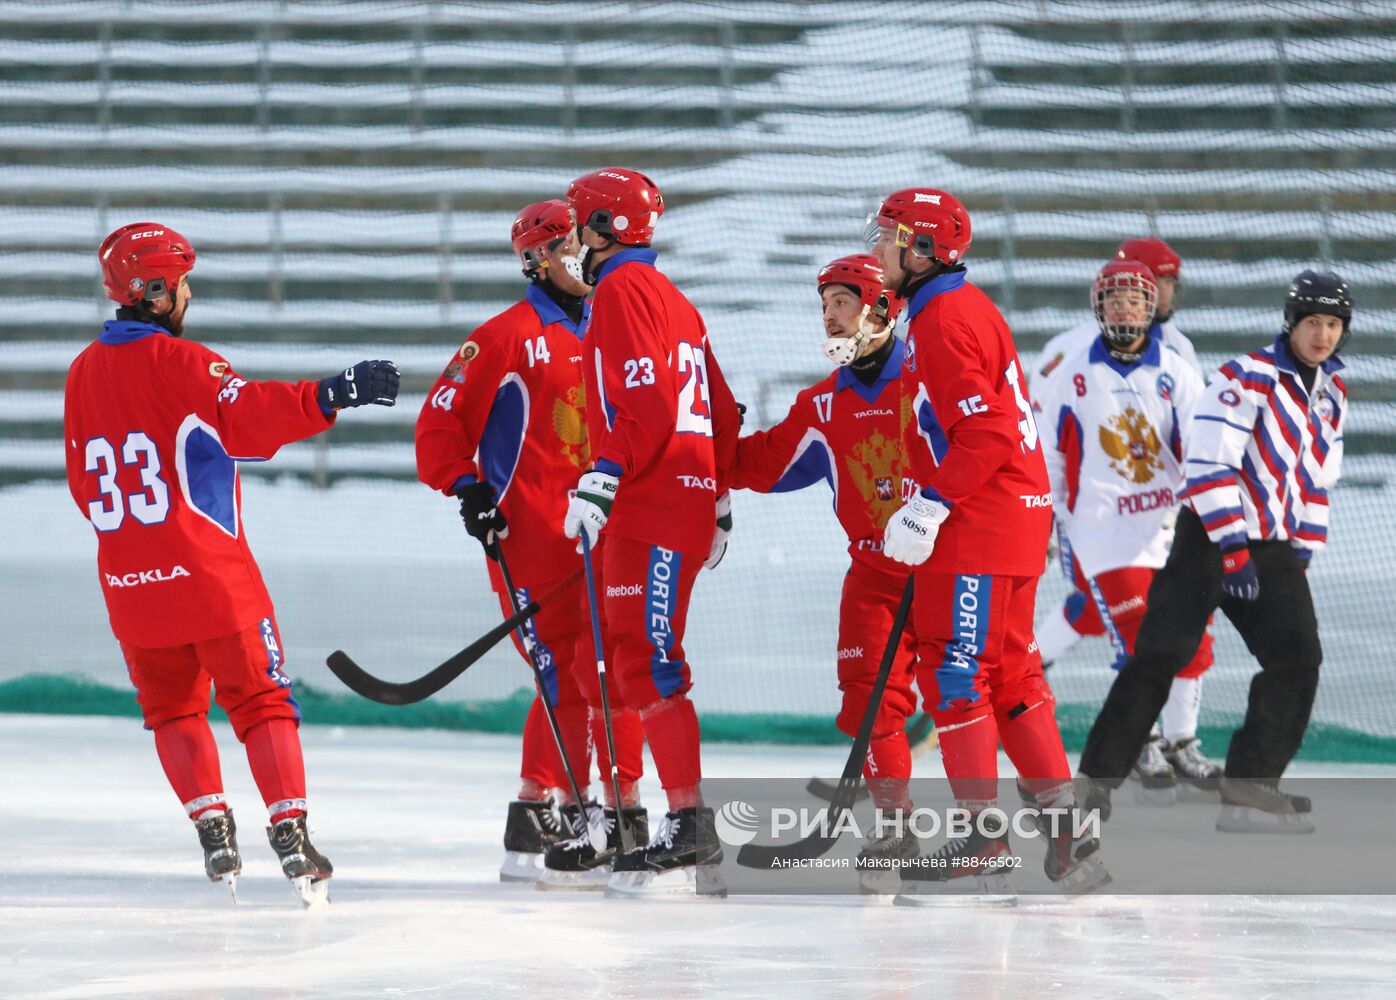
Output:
x=256 y=418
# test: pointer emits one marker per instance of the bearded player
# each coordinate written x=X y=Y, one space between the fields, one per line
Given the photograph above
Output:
x=977 y=533
x=155 y=425
x=846 y=430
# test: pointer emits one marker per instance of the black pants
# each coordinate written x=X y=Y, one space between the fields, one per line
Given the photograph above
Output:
x=1280 y=630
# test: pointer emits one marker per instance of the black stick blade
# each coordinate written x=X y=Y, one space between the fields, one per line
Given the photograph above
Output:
x=362 y=683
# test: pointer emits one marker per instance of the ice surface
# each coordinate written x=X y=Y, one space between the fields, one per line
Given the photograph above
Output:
x=102 y=894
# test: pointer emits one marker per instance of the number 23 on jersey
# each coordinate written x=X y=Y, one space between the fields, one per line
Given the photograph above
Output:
x=694 y=414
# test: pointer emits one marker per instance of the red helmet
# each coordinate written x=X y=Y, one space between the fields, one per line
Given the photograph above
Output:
x=932 y=223
x=617 y=202
x=1156 y=255
x=862 y=273
x=1124 y=276
x=536 y=229
x=144 y=260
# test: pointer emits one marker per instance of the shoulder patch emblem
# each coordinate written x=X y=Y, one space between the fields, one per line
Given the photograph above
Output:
x=468 y=350
x=218 y=368
x=1165 y=386
x=1229 y=397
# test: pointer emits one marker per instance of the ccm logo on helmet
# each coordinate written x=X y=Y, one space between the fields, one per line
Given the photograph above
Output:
x=608 y=173
x=148 y=232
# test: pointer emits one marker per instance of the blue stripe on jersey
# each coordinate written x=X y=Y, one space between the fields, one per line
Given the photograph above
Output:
x=813 y=462
x=503 y=437
x=960 y=665
x=929 y=426
x=661 y=585
x=210 y=478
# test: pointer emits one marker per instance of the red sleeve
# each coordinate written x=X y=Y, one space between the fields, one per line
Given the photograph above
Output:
x=727 y=422
x=458 y=406
x=764 y=456
x=254 y=419
x=636 y=373
x=979 y=426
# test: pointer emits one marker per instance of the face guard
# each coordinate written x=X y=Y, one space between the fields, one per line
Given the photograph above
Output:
x=861 y=274
x=1118 y=278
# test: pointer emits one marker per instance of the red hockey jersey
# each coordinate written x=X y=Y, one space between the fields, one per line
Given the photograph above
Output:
x=973 y=441
x=154 y=426
x=664 y=420
x=510 y=408
x=849 y=435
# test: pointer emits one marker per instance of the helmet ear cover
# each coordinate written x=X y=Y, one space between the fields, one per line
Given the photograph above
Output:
x=600 y=222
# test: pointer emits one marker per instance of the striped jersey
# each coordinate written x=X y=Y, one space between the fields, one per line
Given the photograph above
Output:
x=1114 y=445
x=1263 y=452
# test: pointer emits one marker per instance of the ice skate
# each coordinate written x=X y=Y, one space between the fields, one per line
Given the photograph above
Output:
x=218 y=836
x=972 y=869
x=1073 y=861
x=308 y=869
x=1191 y=765
x=682 y=858
x=577 y=864
x=1158 y=785
x=530 y=828
x=883 y=856
x=1092 y=793
x=1260 y=807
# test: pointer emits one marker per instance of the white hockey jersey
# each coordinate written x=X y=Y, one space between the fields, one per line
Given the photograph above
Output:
x=1079 y=337
x=1113 y=438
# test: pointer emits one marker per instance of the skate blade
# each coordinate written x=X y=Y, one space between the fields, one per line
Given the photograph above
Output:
x=1145 y=796
x=587 y=881
x=1248 y=819
x=232 y=879
x=879 y=883
x=1188 y=792
x=992 y=889
x=312 y=892
x=519 y=866
x=702 y=880
x=1086 y=877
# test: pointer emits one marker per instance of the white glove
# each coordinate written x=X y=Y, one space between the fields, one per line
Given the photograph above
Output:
x=910 y=536
x=590 y=505
x=724 y=530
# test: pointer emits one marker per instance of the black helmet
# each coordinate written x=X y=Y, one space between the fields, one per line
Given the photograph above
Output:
x=1318 y=292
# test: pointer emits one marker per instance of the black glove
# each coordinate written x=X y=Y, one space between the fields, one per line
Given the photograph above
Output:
x=741 y=414
x=367 y=382
x=480 y=512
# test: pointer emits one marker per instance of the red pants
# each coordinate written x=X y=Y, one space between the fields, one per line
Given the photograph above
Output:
x=980 y=673
x=173 y=681
x=869 y=603
x=646 y=591
x=1080 y=609
x=1120 y=597
x=561 y=638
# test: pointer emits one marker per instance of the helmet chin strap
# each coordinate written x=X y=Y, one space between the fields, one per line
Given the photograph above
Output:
x=843 y=351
